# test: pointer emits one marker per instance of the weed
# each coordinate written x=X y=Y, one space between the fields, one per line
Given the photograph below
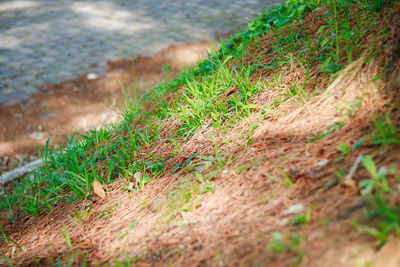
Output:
x=333 y=128
x=302 y=218
x=377 y=190
x=179 y=199
x=279 y=243
x=288 y=182
x=65 y=235
x=344 y=149
x=72 y=259
x=386 y=216
x=5 y=258
x=378 y=182
x=128 y=260
x=386 y=132
x=130 y=227
x=26 y=249
x=78 y=216
x=351 y=109
x=3 y=235
x=206 y=185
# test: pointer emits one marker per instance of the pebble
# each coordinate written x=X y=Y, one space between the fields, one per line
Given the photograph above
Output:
x=283 y=222
x=294 y=209
x=92 y=76
x=47 y=115
x=36 y=135
x=322 y=163
x=197 y=246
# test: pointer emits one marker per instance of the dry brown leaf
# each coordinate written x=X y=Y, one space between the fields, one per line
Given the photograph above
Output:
x=98 y=189
x=349 y=183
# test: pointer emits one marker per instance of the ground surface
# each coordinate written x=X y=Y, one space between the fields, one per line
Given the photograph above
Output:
x=45 y=42
x=278 y=186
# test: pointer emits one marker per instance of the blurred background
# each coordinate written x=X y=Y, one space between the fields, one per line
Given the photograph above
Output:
x=62 y=63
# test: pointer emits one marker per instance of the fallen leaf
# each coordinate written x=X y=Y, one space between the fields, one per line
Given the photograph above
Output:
x=98 y=189
x=349 y=183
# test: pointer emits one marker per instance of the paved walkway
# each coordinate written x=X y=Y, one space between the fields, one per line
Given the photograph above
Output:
x=49 y=41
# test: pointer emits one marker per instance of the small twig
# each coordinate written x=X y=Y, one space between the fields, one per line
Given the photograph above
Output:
x=354 y=167
x=11 y=175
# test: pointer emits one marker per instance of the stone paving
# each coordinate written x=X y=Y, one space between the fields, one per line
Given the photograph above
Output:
x=49 y=41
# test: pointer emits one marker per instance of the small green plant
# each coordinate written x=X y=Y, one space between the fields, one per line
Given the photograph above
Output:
x=72 y=259
x=26 y=249
x=377 y=190
x=287 y=183
x=130 y=227
x=180 y=198
x=78 y=216
x=218 y=160
x=280 y=243
x=3 y=235
x=65 y=235
x=344 y=149
x=378 y=181
x=206 y=185
x=302 y=218
x=5 y=258
x=386 y=217
x=128 y=262
x=333 y=128
x=386 y=132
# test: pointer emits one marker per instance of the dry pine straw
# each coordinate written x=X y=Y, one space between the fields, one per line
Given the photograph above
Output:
x=238 y=219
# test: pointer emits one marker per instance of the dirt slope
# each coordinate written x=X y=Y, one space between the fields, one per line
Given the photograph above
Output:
x=274 y=198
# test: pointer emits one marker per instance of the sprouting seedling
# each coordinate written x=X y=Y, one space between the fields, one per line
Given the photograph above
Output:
x=302 y=218
x=288 y=182
x=65 y=235
x=26 y=249
x=386 y=132
x=378 y=181
x=206 y=185
x=78 y=216
x=3 y=234
x=344 y=149
x=5 y=258
x=278 y=244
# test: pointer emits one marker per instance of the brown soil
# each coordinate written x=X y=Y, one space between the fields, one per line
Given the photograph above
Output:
x=81 y=104
x=233 y=226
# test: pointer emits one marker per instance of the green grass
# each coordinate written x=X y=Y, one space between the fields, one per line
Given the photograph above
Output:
x=280 y=243
x=385 y=132
x=120 y=151
x=377 y=191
